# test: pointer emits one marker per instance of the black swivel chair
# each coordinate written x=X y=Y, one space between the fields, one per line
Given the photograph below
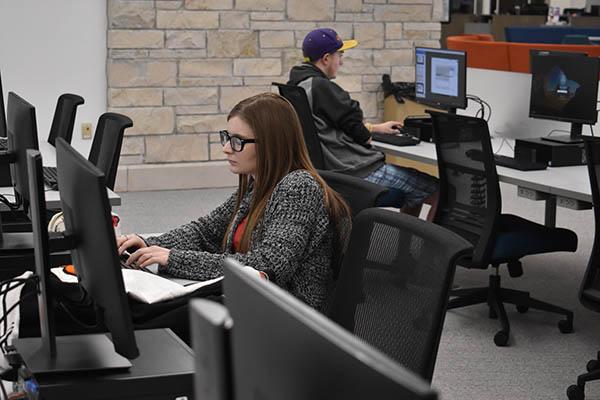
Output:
x=64 y=117
x=589 y=293
x=358 y=193
x=393 y=287
x=297 y=97
x=470 y=205
x=106 y=147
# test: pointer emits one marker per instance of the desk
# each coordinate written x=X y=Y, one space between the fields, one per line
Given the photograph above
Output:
x=164 y=370
x=565 y=186
x=53 y=197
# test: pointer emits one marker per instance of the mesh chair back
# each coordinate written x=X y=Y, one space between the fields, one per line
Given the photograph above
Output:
x=297 y=96
x=358 y=193
x=393 y=287
x=589 y=293
x=106 y=147
x=469 y=203
x=64 y=117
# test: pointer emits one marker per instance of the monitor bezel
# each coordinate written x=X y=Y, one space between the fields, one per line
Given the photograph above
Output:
x=534 y=53
x=442 y=104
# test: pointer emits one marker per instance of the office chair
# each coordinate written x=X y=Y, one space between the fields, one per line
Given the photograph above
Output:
x=211 y=331
x=393 y=286
x=589 y=293
x=470 y=205
x=106 y=147
x=358 y=193
x=297 y=96
x=64 y=117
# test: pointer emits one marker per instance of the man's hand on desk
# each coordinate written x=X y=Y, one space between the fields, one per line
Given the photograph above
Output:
x=387 y=127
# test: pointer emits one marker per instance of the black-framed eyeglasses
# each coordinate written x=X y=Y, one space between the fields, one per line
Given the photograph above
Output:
x=236 y=143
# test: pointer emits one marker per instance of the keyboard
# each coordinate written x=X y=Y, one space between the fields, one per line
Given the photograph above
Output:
x=396 y=140
x=522 y=165
x=50 y=177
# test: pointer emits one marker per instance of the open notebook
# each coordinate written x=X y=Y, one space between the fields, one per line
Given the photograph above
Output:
x=147 y=287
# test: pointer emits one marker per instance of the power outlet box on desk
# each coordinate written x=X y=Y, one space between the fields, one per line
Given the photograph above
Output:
x=572 y=204
x=531 y=194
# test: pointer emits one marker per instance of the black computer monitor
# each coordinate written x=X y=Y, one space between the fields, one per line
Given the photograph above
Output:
x=441 y=77
x=22 y=135
x=5 y=179
x=564 y=87
x=211 y=331
x=2 y=110
x=283 y=349
x=91 y=238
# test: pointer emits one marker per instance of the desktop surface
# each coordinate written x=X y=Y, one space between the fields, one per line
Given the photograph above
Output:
x=164 y=370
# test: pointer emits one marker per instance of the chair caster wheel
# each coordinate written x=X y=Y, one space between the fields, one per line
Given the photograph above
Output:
x=565 y=326
x=593 y=365
x=493 y=314
x=522 y=309
x=501 y=338
x=575 y=392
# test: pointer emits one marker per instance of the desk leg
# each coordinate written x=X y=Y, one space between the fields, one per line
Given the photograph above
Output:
x=550 y=213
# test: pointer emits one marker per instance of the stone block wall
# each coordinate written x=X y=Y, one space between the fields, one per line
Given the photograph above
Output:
x=176 y=67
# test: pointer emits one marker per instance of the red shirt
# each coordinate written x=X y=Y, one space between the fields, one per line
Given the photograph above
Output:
x=239 y=232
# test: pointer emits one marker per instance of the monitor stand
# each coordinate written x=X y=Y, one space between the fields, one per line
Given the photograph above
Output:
x=73 y=353
x=574 y=138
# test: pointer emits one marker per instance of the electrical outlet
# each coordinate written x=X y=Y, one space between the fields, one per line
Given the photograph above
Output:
x=86 y=130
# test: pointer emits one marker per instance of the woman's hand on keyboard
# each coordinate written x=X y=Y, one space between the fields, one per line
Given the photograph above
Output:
x=387 y=127
x=146 y=256
x=131 y=240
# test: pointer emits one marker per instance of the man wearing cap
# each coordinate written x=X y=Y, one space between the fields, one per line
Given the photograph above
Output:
x=345 y=137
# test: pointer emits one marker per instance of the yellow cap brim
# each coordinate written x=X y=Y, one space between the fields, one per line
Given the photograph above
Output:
x=348 y=44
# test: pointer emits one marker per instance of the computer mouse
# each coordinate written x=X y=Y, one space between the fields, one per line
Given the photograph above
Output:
x=398 y=129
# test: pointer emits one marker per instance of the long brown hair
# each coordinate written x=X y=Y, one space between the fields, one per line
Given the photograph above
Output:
x=280 y=149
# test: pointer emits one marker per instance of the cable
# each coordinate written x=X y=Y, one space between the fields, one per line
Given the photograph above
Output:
x=75 y=319
x=482 y=104
x=26 y=295
x=11 y=206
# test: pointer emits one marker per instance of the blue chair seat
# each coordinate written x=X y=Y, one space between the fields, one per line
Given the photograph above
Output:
x=518 y=237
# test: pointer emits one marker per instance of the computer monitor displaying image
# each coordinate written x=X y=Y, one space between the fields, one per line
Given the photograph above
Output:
x=440 y=77
x=564 y=87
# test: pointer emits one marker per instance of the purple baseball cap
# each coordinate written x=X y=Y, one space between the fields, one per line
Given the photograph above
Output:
x=324 y=41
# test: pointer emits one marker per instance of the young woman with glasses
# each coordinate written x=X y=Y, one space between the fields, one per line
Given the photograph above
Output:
x=282 y=220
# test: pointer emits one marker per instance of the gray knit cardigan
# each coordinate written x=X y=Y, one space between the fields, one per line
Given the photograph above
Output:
x=293 y=241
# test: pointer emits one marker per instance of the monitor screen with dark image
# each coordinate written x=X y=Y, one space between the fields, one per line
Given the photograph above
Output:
x=440 y=77
x=564 y=87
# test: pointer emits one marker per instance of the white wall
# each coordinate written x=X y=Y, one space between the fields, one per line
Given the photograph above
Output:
x=52 y=47
x=508 y=95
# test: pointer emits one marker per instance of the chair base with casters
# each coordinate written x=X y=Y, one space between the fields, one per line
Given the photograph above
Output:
x=577 y=392
x=495 y=296
x=513 y=242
